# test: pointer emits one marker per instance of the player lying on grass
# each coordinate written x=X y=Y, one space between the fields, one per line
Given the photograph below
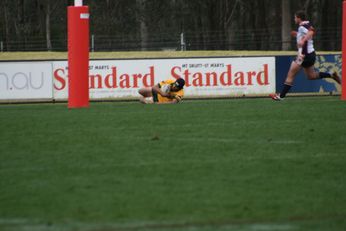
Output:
x=306 y=57
x=168 y=91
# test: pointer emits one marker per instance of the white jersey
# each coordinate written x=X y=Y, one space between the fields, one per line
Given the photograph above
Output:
x=304 y=28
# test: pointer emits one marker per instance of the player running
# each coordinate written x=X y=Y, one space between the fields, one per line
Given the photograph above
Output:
x=165 y=92
x=306 y=57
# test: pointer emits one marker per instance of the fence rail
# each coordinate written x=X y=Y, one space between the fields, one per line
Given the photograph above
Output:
x=259 y=39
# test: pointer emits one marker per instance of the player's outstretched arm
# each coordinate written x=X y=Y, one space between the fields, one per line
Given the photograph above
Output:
x=294 y=33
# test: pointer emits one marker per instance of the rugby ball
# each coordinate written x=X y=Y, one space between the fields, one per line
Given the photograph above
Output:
x=166 y=88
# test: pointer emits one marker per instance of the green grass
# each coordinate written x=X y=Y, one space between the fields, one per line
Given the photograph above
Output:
x=241 y=164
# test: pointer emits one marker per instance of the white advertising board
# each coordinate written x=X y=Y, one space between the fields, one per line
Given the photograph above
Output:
x=29 y=80
x=203 y=76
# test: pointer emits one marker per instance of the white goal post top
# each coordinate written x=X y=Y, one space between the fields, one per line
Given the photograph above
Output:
x=78 y=2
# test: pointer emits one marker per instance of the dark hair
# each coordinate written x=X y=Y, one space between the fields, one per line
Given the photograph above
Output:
x=301 y=14
x=180 y=83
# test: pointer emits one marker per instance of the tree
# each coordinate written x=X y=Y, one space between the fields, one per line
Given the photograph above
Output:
x=143 y=28
x=49 y=7
x=153 y=24
x=286 y=24
x=5 y=21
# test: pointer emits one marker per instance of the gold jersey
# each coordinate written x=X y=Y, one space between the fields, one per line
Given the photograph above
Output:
x=175 y=94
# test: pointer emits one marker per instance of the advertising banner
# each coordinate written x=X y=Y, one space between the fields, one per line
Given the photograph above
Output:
x=324 y=63
x=29 y=80
x=203 y=76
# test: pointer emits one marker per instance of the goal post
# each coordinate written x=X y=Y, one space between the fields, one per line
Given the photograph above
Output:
x=78 y=55
x=343 y=78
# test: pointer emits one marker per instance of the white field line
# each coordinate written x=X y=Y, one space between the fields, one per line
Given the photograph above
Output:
x=36 y=225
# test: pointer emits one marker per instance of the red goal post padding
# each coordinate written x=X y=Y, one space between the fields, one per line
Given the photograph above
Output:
x=78 y=56
x=343 y=79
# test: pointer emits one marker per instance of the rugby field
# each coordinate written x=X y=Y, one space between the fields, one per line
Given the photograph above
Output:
x=202 y=165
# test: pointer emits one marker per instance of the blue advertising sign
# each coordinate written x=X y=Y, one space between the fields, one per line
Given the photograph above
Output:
x=324 y=63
